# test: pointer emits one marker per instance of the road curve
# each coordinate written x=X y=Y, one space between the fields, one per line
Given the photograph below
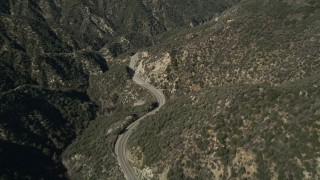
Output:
x=120 y=147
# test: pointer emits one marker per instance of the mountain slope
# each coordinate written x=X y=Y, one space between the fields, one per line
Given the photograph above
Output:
x=242 y=45
x=244 y=96
x=55 y=79
x=238 y=131
x=242 y=80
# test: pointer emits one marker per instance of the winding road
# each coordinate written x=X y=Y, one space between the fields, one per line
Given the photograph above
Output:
x=120 y=147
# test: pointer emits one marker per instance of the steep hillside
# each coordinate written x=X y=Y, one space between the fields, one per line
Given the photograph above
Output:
x=253 y=43
x=239 y=131
x=244 y=96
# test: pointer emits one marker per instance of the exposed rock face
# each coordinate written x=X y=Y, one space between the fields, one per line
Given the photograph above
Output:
x=157 y=68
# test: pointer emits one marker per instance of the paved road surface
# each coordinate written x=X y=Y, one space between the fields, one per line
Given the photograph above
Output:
x=120 y=147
